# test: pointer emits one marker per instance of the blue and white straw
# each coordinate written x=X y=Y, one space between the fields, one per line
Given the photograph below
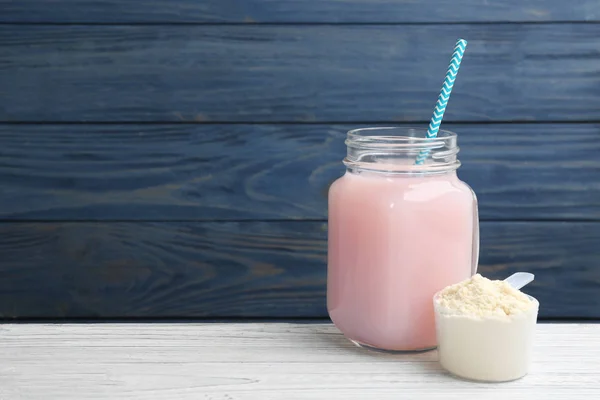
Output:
x=442 y=101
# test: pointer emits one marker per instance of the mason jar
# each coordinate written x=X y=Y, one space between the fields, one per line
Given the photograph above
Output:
x=399 y=232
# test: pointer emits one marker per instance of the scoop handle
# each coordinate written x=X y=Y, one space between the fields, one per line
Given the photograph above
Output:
x=519 y=279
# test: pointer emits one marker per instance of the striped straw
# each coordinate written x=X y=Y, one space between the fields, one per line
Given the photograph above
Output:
x=442 y=101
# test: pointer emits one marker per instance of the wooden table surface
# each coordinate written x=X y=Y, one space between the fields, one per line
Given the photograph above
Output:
x=262 y=361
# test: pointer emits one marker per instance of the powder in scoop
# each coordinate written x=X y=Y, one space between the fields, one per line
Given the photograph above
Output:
x=481 y=297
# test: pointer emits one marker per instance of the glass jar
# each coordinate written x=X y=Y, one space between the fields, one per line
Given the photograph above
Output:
x=398 y=233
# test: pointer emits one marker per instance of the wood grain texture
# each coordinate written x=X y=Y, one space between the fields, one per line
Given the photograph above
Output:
x=537 y=72
x=266 y=362
x=250 y=172
x=251 y=269
x=324 y=11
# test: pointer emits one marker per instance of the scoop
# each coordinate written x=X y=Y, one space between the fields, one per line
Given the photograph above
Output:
x=519 y=279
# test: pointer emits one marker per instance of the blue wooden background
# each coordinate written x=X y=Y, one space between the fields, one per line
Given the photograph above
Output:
x=171 y=158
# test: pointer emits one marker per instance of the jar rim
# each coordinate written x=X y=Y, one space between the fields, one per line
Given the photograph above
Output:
x=398 y=137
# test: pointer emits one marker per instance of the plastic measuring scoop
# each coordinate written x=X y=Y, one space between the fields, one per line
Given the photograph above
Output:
x=519 y=279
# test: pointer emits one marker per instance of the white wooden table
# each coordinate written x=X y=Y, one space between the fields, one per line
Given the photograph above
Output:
x=262 y=361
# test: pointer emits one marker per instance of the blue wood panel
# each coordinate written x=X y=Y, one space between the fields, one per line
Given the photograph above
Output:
x=238 y=192
x=252 y=269
x=534 y=72
x=234 y=172
x=329 y=11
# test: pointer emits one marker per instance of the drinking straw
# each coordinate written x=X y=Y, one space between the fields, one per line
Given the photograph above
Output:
x=442 y=101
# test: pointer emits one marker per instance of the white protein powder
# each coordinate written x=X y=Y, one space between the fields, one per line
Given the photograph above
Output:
x=485 y=329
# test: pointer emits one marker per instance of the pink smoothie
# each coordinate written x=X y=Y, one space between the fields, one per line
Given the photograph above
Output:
x=395 y=240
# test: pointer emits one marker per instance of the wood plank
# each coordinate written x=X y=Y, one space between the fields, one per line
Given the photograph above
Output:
x=275 y=11
x=537 y=72
x=274 y=172
x=267 y=361
x=252 y=269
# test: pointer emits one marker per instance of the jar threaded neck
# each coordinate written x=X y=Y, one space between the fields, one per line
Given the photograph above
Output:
x=393 y=150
